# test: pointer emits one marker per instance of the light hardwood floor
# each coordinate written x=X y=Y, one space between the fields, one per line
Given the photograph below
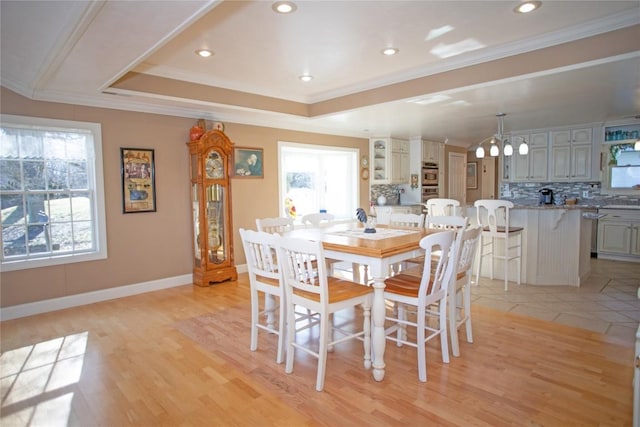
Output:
x=181 y=357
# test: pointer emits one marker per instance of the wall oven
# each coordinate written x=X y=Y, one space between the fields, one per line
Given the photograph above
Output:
x=429 y=174
x=429 y=193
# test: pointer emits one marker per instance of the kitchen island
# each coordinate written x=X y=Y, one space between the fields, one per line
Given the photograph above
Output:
x=556 y=245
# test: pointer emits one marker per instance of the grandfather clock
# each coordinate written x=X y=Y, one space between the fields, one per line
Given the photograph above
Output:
x=210 y=161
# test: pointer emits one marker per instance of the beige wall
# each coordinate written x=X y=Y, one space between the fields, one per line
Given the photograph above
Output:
x=152 y=245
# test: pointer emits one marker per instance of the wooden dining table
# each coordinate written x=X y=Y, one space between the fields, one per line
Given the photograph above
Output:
x=348 y=242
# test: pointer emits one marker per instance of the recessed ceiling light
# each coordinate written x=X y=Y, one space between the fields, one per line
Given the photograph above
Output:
x=389 y=51
x=527 y=6
x=306 y=78
x=205 y=53
x=284 y=7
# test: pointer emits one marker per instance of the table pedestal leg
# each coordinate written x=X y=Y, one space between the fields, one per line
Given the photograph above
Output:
x=377 y=334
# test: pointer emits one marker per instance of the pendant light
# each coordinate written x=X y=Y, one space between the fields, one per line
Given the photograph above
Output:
x=501 y=138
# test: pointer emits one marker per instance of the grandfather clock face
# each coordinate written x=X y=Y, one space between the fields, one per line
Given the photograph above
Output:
x=214 y=166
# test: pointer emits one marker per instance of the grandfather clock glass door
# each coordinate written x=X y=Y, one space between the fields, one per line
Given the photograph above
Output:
x=215 y=224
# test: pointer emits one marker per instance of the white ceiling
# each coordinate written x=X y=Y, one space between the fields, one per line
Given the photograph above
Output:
x=77 y=51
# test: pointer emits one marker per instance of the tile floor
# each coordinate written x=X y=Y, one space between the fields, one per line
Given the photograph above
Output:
x=607 y=303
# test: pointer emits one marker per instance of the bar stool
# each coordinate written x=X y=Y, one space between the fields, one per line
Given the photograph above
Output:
x=492 y=231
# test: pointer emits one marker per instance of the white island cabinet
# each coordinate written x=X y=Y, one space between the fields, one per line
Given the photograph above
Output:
x=556 y=246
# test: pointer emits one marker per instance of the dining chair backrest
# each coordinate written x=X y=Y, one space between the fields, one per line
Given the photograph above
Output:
x=274 y=225
x=446 y=222
x=260 y=249
x=436 y=275
x=442 y=207
x=317 y=220
x=492 y=214
x=467 y=248
x=406 y=220
x=303 y=268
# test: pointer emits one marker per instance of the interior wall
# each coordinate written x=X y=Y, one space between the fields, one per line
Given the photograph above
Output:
x=152 y=245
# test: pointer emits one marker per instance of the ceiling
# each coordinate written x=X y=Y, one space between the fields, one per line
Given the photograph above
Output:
x=459 y=62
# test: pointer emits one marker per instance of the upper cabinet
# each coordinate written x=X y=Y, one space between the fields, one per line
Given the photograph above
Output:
x=532 y=166
x=570 y=157
x=554 y=156
x=430 y=152
x=389 y=161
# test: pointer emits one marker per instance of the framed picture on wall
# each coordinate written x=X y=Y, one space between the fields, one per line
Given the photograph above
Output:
x=248 y=162
x=472 y=175
x=138 y=180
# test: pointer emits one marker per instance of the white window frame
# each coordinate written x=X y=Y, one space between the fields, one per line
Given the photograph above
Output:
x=606 y=189
x=281 y=185
x=98 y=210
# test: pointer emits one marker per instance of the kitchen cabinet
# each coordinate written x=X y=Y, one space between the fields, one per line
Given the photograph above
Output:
x=430 y=152
x=619 y=234
x=570 y=157
x=389 y=161
x=532 y=166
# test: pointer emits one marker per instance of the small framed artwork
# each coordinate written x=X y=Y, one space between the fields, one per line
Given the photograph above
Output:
x=138 y=180
x=248 y=162
x=472 y=175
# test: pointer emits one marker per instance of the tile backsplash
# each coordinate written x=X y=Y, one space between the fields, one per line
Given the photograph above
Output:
x=523 y=193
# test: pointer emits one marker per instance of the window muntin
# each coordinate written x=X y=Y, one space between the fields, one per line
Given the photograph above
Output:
x=51 y=192
x=314 y=178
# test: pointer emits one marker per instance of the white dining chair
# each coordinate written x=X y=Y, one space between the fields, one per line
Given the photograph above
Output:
x=443 y=207
x=317 y=220
x=308 y=285
x=264 y=277
x=459 y=299
x=405 y=220
x=420 y=293
x=493 y=216
x=274 y=225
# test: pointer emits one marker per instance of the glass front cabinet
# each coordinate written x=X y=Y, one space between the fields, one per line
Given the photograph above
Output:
x=210 y=161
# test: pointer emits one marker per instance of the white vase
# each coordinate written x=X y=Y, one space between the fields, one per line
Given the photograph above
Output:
x=382 y=200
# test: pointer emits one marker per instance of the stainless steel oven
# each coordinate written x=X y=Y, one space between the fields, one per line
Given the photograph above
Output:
x=429 y=174
x=429 y=193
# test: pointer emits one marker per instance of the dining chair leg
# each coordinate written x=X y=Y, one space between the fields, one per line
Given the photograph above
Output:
x=325 y=327
x=281 y=336
x=254 y=320
x=422 y=352
x=453 y=322
x=291 y=336
x=442 y=324
x=466 y=297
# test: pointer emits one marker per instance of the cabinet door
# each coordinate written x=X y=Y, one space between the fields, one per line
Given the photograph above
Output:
x=580 y=162
x=520 y=167
x=560 y=137
x=538 y=140
x=399 y=168
x=581 y=136
x=430 y=151
x=560 y=163
x=614 y=237
x=538 y=163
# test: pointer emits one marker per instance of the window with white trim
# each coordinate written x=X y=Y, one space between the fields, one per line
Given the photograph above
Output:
x=314 y=178
x=51 y=192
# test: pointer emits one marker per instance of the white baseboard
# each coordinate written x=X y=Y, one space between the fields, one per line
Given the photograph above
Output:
x=45 y=306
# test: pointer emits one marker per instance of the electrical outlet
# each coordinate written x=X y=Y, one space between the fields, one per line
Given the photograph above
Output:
x=585 y=194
